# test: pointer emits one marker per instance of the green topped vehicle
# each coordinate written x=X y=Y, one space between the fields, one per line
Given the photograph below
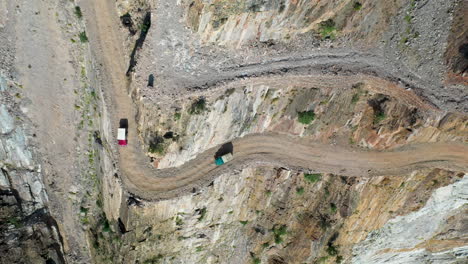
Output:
x=223 y=159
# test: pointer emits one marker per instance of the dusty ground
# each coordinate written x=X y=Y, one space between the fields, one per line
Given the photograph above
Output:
x=50 y=74
x=49 y=67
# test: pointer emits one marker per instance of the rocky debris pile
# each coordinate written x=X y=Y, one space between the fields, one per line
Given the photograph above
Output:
x=28 y=232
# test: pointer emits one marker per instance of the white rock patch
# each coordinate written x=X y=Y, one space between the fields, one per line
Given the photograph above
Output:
x=405 y=232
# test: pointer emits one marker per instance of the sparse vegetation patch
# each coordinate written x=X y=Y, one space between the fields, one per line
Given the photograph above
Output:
x=153 y=260
x=312 y=178
x=279 y=232
x=256 y=260
x=332 y=250
x=156 y=145
x=357 y=95
x=327 y=29
x=300 y=190
x=177 y=116
x=379 y=117
x=357 y=6
x=83 y=37
x=198 y=107
x=179 y=221
x=202 y=213
x=78 y=12
x=306 y=117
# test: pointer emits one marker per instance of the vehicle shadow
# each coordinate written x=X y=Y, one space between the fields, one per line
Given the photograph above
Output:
x=123 y=123
x=225 y=149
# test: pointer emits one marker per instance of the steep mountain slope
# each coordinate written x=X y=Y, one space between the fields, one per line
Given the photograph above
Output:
x=347 y=121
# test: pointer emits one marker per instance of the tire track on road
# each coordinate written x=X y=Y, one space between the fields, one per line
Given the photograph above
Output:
x=252 y=150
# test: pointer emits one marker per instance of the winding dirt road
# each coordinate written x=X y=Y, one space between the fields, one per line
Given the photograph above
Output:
x=295 y=153
x=260 y=149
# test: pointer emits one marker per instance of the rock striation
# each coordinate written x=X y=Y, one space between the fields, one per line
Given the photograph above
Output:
x=29 y=234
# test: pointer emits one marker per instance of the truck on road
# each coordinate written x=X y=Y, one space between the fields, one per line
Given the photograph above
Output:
x=223 y=159
x=122 y=132
x=122 y=136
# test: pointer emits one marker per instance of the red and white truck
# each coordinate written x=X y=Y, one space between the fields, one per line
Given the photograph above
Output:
x=122 y=136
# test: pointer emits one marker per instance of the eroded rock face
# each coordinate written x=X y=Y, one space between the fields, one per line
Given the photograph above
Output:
x=404 y=239
x=270 y=214
x=350 y=112
x=456 y=55
x=238 y=22
x=28 y=233
x=5 y=120
x=273 y=214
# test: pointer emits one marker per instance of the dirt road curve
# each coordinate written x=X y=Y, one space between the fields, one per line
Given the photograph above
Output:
x=284 y=150
x=275 y=149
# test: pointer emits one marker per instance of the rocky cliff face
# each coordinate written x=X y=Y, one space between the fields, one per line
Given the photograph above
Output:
x=239 y=22
x=195 y=85
x=272 y=215
x=29 y=234
x=358 y=112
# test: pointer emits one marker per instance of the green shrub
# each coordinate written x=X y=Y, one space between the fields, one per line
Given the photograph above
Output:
x=379 y=117
x=306 y=117
x=202 y=214
x=78 y=12
x=315 y=177
x=106 y=226
x=83 y=37
x=99 y=202
x=322 y=259
x=244 y=222
x=357 y=6
x=333 y=208
x=159 y=148
x=84 y=220
x=156 y=145
x=408 y=18
x=279 y=232
x=178 y=221
x=355 y=98
x=198 y=107
x=331 y=250
x=15 y=221
x=84 y=210
x=300 y=190
x=177 y=116
x=327 y=29
x=324 y=223
x=256 y=260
